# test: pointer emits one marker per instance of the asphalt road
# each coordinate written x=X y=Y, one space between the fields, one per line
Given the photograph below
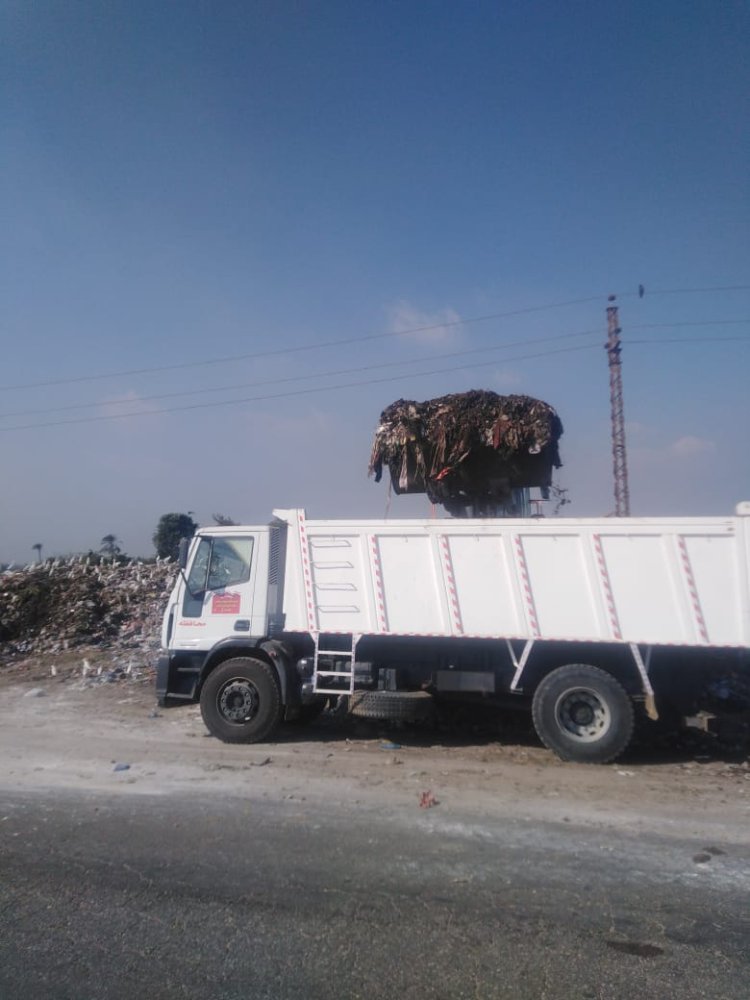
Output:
x=219 y=898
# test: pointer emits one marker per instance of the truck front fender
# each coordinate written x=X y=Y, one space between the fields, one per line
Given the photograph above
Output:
x=268 y=651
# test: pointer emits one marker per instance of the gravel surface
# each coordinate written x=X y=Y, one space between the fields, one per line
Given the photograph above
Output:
x=139 y=855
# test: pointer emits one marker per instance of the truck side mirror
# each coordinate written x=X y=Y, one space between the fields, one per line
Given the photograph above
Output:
x=183 y=552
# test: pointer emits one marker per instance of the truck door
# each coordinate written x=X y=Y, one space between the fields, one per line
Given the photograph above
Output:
x=217 y=602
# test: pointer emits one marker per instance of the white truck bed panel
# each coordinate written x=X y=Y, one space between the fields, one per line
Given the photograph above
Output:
x=562 y=586
x=413 y=591
x=650 y=581
x=717 y=584
x=499 y=607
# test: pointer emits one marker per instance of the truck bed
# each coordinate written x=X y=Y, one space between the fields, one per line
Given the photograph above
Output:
x=654 y=581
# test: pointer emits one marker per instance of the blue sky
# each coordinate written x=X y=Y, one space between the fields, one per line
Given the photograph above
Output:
x=189 y=181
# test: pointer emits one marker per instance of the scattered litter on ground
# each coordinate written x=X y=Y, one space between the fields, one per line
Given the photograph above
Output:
x=35 y=693
x=636 y=948
x=390 y=746
x=121 y=767
x=427 y=800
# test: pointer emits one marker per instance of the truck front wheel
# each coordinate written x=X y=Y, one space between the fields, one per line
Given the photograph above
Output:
x=583 y=714
x=241 y=702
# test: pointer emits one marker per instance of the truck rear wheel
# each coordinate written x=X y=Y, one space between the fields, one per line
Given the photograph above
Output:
x=241 y=702
x=583 y=714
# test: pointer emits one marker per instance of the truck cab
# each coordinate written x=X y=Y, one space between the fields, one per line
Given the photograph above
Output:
x=220 y=605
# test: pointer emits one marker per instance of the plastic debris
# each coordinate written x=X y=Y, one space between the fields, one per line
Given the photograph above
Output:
x=427 y=800
x=121 y=767
x=390 y=746
x=51 y=607
x=35 y=693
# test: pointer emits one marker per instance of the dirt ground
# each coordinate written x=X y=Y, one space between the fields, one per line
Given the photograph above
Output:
x=66 y=721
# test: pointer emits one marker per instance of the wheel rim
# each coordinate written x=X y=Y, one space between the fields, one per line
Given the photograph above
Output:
x=237 y=701
x=582 y=714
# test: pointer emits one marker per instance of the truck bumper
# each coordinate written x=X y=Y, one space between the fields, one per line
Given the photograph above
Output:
x=162 y=678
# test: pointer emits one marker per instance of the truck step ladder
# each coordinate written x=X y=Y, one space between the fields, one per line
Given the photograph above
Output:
x=324 y=681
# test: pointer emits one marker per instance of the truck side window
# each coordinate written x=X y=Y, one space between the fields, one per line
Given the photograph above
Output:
x=218 y=563
x=230 y=562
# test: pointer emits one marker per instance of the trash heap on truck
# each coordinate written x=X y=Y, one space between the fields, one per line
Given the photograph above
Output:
x=472 y=452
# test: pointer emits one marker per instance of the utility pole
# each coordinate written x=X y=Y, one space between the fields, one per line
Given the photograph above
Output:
x=619 y=458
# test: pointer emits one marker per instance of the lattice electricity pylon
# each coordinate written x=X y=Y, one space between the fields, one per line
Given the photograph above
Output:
x=619 y=457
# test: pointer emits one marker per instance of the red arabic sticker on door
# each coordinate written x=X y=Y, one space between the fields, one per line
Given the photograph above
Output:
x=225 y=604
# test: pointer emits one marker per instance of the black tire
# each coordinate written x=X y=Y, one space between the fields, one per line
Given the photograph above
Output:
x=241 y=701
x=583 y=714
x=394 y=706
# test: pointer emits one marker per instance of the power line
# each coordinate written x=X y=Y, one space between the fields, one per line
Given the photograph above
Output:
x=292 y=392
x=686 y=340
x=374 y=367
x=276 y=352
x=303 y=347
x=301 y=378
x=346 y=385
x=687 y=291
x=689 y=322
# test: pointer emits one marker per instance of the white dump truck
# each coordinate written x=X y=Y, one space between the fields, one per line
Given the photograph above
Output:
x=592 y=623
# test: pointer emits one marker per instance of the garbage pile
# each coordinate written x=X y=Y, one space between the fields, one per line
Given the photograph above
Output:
x=467 y=449
x=60 y=604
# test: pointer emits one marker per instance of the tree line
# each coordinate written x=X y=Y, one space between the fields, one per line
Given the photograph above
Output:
x=170 y=530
